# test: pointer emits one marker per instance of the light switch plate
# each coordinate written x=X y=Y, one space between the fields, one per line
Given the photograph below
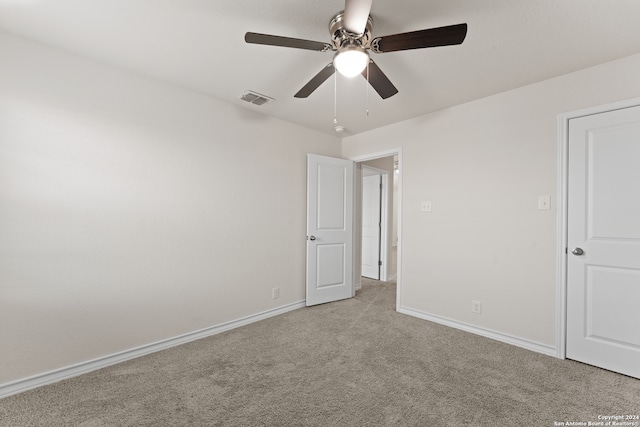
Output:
x=544 y=203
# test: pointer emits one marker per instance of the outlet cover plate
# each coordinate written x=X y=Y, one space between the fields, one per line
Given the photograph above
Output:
x=476 y=307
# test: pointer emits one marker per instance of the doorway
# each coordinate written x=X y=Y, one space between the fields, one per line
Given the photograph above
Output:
x=390 y=162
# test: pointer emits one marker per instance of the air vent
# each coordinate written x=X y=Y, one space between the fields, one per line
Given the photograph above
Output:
x=255 y=98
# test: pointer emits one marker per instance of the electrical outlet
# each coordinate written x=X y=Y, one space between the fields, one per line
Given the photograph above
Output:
x=275 y=293
x=476 y=307
x=425 y=206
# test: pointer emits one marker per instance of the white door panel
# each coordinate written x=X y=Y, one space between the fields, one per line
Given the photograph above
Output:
x=603 y=282
x=329 y=229
x=371 y=226
x=331 y=180
x=603 y=289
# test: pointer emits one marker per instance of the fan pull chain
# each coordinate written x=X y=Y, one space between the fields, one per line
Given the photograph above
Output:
x=368 y=62
x=335 y=98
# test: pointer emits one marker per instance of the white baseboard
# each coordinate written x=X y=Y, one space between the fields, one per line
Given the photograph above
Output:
x=498 y=336
x=39 y=380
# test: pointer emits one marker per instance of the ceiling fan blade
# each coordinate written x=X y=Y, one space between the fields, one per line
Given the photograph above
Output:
x=432 y=37
x=379 y=81
x=356 y=14
x=316 y=81
x=270 y=40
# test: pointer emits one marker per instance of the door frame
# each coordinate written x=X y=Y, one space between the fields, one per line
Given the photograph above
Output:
x=384 y=218
x=378 y=155
x=562 y=213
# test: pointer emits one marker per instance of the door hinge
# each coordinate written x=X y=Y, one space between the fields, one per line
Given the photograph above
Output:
x=380 y=263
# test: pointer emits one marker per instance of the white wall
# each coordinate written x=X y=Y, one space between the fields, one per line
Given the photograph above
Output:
x=132 y=211
x=483 y=166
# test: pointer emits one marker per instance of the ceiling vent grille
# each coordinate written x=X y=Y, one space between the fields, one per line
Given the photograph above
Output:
x=255 y=98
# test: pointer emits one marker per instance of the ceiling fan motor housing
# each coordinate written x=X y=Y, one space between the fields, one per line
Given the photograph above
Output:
x=341 y=38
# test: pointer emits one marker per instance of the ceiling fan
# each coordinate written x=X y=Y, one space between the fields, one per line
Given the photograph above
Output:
x=350 y=32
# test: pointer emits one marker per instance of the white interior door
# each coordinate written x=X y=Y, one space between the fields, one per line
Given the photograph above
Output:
x=329 y=229
x=603 y=235
x=371 y=224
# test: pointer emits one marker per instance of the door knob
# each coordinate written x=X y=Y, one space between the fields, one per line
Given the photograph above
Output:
x=312 y=237
x=577 y=251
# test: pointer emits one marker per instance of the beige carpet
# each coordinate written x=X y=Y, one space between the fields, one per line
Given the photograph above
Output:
x=351 y=363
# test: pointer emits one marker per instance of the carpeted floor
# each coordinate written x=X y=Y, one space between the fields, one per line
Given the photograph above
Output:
x=351 y=363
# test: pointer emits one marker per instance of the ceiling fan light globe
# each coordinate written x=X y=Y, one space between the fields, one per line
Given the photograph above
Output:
x=351 y=61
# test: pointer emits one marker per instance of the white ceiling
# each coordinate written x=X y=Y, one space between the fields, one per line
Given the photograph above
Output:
x=199 y=44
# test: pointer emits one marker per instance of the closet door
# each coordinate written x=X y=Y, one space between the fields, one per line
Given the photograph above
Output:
x=603 y=266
